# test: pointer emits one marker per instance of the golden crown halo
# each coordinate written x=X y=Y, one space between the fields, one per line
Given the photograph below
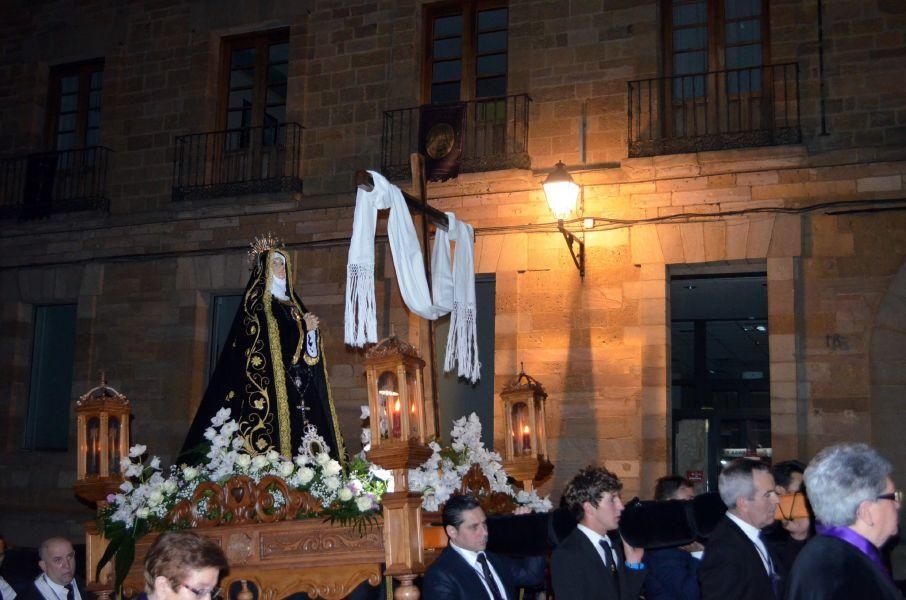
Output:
x=261 y=245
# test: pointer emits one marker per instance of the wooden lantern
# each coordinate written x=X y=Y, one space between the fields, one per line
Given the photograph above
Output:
x=525 y=451
x=102 y=420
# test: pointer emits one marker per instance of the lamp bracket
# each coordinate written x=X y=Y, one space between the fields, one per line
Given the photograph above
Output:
x=573 y=240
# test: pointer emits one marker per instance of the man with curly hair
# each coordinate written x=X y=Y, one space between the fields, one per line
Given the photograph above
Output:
x=593 y=562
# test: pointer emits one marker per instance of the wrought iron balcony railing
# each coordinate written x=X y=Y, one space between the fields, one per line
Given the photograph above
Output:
x=38 y=184
x=236 y=162
x=494 y=134
x=734 y=108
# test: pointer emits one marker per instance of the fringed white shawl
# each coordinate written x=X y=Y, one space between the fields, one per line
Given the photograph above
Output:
x=453 y=285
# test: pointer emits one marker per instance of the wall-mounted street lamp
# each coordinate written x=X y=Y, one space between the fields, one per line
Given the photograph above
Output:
x=562 y=194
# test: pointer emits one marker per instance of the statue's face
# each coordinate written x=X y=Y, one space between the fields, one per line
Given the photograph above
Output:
x=278 y=267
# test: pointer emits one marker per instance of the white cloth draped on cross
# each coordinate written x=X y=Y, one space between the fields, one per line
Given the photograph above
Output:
x=452 y=282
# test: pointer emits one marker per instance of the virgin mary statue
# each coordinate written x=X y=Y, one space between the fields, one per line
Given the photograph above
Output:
x=271 y=372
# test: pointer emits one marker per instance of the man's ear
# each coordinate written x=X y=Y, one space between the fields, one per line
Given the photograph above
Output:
x=449 y=529
x=43 y=565
x=587 y=507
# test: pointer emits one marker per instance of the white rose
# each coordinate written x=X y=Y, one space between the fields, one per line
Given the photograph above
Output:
x=305 y=474
x=286 y=469
x=190 y=473
x=142 y=513
x=272 y=455
x=363 y=503
x=332 y=468
x=244 y=460
x=137 y=450
x=170 y=486
x=345 y=494
x=155 y=498
x=322 y=459
x=300 y=460
x=332 y=482
x=259 y=461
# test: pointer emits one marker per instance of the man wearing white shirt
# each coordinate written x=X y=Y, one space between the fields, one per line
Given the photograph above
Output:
x=737 y=565
x=464 y=571
x=593 y=562
x=57 y=581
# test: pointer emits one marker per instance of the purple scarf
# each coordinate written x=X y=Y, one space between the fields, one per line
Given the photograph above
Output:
x=854 y=539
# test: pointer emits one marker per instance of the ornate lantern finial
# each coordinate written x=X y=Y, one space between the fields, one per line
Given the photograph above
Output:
x=525 y=447
x=102 y=422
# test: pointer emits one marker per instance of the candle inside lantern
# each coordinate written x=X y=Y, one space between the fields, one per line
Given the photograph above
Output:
x=526 y=438
x=396 y=418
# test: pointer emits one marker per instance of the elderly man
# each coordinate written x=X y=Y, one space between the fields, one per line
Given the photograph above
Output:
x=464 y=571
x=737 y=565
x=57 y=582
x=855 y=502
x=593 y=562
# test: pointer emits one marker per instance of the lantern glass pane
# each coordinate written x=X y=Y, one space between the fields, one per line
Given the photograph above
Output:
x=93 y=447
x=414 y=408
x=113 y=445
x=389 y=397
x=522 y=429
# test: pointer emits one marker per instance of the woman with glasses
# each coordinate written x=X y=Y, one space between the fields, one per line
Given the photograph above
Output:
x=855 y=503
x=182 y=565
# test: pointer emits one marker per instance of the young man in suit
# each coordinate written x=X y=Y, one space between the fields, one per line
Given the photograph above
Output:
x=593 y=562
x=464 y=571
x=737 y=564
x=57 y=582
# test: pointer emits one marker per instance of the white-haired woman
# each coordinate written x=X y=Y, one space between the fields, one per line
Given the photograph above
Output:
x=856 y=506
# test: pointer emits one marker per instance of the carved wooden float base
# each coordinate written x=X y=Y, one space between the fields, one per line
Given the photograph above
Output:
x=330 y=583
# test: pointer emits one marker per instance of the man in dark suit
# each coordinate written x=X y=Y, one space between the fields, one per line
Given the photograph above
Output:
x=673 y=572
x=57 y=582
x=464 y=571
x=593 y=562
x=737 y=564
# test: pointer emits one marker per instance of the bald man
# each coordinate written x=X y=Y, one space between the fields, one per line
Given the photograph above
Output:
x=57 y=582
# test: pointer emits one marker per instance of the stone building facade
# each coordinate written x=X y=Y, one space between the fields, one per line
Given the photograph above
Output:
x=143 y=269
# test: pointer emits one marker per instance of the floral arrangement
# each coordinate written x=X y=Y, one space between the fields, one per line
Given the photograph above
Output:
x=441 y=475
x=348 y=495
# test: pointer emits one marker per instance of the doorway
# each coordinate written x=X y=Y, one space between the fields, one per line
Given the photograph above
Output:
x=720 y=372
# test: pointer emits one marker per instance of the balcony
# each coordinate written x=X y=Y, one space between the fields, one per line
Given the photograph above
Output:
x=237 y=162
x=492 y=134
x=733 y=108
x=36 y=185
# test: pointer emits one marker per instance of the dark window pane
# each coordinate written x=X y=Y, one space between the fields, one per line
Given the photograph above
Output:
x=243 y=58
x=689 y=14
x=736 y=9
x=66 y=123
x=241 y=78
x=744 y=81
x=492 y=42
x=276 y=94
x=240 y=98
x=277 y=73
x=94 y=100
x=693 y=38
x=69 y=85
x=688 y=87
x=494 y=64
x=740 y=32
x=65 y=141
x=274 y=115
x=451 y=48
x=450 y=70
x=690 y=62
x=487 y=88
x=69 y=103
x=97 y=80
x=91 y=137
x=94 y=118
x=445 y=92
x=492 y=19
x=744 y=56
x=447 y=26
x=278 y=52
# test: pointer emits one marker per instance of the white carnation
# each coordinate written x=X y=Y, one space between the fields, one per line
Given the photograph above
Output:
x=286 y=469
x=305 y=475
x=190 y=473
x=259 y=461
x=244 y=461
x=322 y=458
x=363 y=503
x=142 y=513
x=345 y=494
x=332 y=468
x=332 y=483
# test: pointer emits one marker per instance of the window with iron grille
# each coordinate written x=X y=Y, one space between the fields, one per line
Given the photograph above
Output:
x=254 y=86
x=74 y=115
x=466 y=49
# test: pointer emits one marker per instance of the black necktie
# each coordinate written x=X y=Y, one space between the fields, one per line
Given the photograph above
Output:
x=611 y=564
x=489 y=577
x=70 y=593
